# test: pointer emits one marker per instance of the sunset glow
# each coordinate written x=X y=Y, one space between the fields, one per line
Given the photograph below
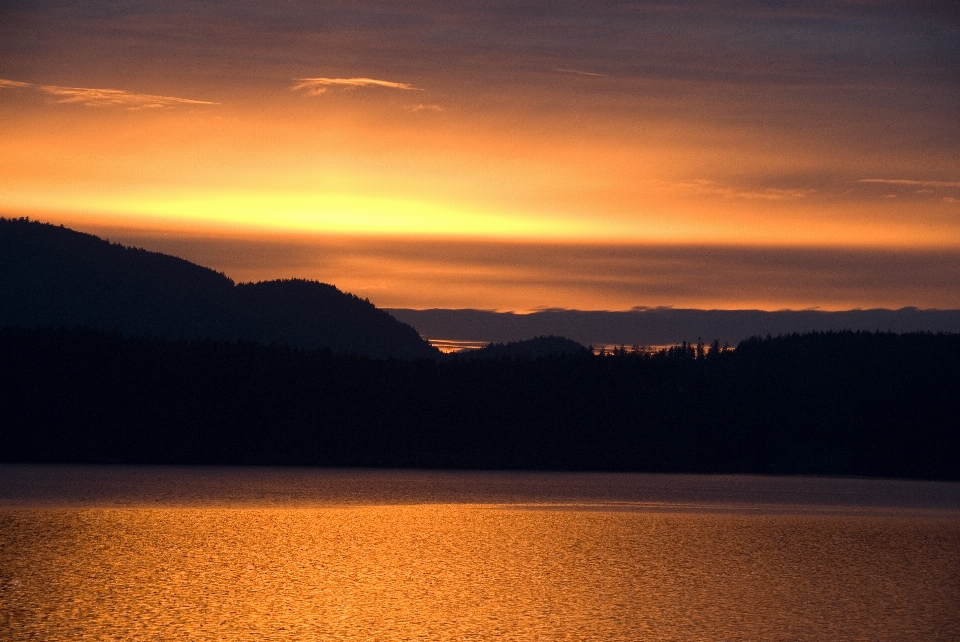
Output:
x=615 y=126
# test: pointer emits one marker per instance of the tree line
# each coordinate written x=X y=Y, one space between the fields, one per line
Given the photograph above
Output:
x=837 y=403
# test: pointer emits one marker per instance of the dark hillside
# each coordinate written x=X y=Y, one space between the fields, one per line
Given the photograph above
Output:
x=316 y=315
x=53 y=276
x=868 y=404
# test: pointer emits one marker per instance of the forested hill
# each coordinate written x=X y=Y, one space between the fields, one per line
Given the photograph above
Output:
x=54 y=276
x=827 y=404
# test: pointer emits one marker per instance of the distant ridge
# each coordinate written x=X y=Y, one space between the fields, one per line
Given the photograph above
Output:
x=54 y=276
x=665 y=326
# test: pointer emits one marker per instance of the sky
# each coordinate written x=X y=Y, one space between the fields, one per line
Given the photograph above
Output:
x=503 y=155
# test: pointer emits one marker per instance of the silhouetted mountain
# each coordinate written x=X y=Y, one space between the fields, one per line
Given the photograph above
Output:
x=310 y=314
x=528 y=349
x=664 y=326
x=54 y=276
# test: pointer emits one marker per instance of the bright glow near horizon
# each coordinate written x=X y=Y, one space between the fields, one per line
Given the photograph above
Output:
x=677 y=124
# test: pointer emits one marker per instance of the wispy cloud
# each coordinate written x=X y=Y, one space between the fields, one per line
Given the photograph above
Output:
x=703 y=186
x=318 y=86
x=13 y=84
x=117 y=97
x=910 y=183
x=578 y=72
x=93 y=97
x=422 y=107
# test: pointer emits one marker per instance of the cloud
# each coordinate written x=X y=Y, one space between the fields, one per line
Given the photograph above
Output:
x=581 y=73
x=708 y=187
x=422 y=107
x=909 y=182
x=463 y=273
x=317 y=86
x=13 y=84
x=116 y=97
x=92 y=97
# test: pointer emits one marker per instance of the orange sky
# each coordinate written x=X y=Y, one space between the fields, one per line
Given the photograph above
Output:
x=822 y=130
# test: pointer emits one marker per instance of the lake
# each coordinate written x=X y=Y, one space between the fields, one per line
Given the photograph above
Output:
x=149 y=553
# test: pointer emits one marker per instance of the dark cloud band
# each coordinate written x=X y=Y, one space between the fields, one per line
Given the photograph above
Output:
x=459 y=274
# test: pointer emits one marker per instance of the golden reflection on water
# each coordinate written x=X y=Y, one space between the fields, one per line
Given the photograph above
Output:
x=467 y=572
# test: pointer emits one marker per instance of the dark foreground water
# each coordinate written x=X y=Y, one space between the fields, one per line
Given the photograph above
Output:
x=118 y=553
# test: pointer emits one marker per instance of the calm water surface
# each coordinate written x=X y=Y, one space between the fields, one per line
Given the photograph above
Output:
x=122 y=553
